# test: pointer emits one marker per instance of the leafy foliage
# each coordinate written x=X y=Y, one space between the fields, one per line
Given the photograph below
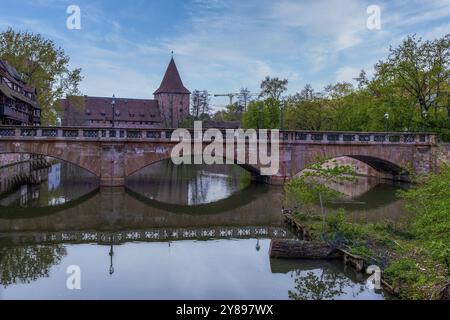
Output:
x=430 y=203
x=273 y=88
x=42 y=64
x=410 y=91
x=310 y=187
x=231 y=113
x=263 y=114
x=414 y=253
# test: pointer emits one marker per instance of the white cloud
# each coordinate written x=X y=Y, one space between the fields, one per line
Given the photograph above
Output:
x=339 y=24
x=224 y=45
x=347 y=74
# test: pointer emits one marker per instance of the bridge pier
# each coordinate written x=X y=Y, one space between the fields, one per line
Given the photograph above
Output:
x=112 y=182
x=112 y=166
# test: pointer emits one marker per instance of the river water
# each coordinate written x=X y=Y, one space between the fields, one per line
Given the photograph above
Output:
x=189 y=232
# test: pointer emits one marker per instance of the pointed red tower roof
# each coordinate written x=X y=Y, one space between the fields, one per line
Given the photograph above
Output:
x=171 y=82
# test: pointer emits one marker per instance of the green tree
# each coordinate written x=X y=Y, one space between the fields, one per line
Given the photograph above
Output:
x=42 y=64
x=200 y=107
x=231 y=113
x=312 y=188
x=263 y=114
x=315 y=177
x=419 y=71
x=307 y=111
x=410 y=91
x=273 y=88
x=244 y=98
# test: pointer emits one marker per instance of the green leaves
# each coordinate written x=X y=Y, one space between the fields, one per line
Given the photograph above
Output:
x=416 y=251
x=273 y=88
x=262 y=114
x=430 y=203
x=43 y=65
x=311 y=187
x=412 y=86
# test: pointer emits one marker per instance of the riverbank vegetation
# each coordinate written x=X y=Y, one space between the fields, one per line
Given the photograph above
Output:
x=414 y=253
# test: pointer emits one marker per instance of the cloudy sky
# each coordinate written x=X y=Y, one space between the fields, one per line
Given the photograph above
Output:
x=123 y=47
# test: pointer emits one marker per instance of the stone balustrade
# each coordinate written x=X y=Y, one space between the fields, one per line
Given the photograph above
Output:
x=164 y=135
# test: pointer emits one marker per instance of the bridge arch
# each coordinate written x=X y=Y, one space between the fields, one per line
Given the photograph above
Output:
x=390 y=161
x=73 y=153
x=381 y=165
x=133 y=167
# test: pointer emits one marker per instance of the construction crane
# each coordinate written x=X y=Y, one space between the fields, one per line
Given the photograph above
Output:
x=229 y=95
x=232 y=95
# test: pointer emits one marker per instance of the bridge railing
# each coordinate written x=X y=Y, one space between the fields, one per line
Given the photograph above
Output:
x=140 y=134
x=359 y=137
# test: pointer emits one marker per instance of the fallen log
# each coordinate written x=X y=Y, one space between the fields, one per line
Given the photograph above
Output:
x=293 y=249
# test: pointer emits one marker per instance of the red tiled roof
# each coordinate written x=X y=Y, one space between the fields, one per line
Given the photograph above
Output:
x=171 y=82
x=99 y=108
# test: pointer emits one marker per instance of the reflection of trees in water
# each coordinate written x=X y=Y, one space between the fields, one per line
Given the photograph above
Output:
x=28 y=263
x=63 y=182
x=324 y=286
x=187 y=184
x=215 y=182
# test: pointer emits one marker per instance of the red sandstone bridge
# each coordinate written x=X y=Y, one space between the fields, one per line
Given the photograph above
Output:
x=113 y=154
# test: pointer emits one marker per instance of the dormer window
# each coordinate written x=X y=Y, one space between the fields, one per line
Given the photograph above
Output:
x=88 y=112
x=103 y=113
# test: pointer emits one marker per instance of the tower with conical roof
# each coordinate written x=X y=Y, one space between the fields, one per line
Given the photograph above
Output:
x=173 y=97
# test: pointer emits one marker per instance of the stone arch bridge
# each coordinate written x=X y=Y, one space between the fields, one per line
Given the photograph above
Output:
x=113 y=154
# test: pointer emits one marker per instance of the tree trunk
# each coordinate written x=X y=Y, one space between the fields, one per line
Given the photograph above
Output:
x=292 y=249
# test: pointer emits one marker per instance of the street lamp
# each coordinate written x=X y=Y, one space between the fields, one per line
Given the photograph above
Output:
x=113 y=106
x=260 y=109
x=281 y=114
x=386 y=119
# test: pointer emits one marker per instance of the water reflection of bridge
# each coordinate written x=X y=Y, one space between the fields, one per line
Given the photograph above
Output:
x=111 y=214
x=115 y=210
x=149 y=235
